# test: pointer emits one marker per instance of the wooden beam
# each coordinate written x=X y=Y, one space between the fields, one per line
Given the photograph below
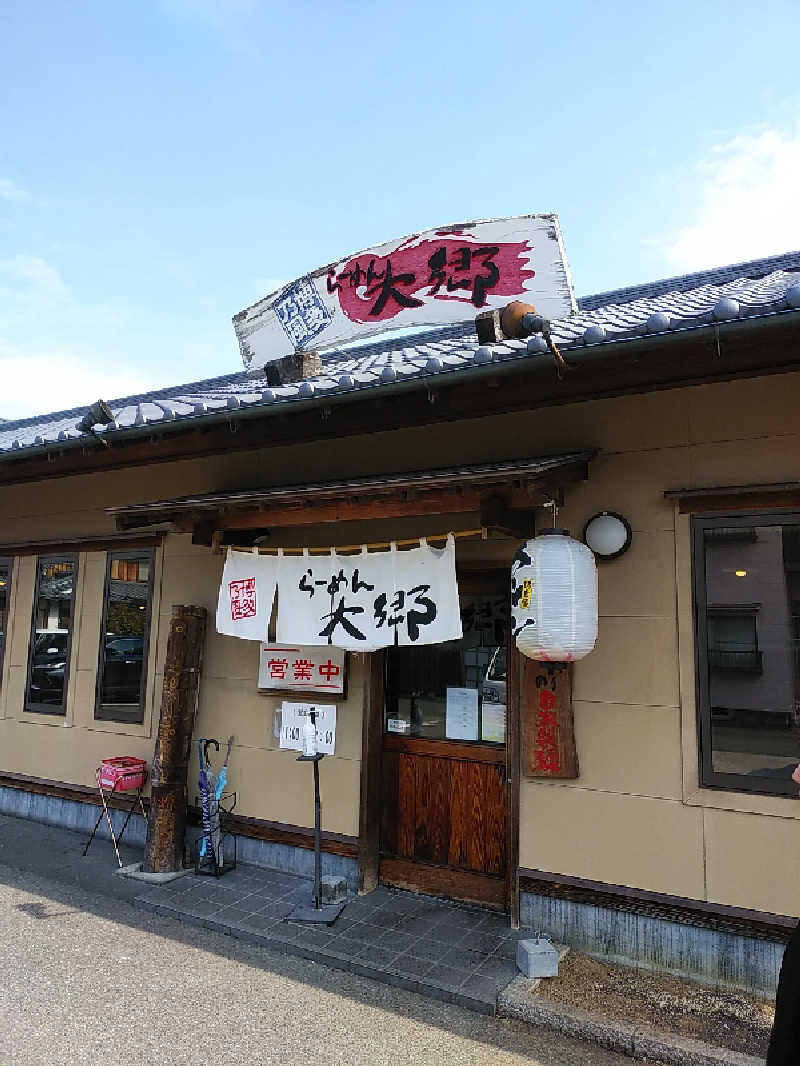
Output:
x=256 y=828
x=430 y=503
x=110 y=542
x=444 y=881
x=517 y=522
x=759 y=924
x=533 y=477
x=348 y=511
x=294 y=836
x=737 y=498
x=445 y=749
x=203 y=530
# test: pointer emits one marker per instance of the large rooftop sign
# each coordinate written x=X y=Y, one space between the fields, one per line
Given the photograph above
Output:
x=438 y=277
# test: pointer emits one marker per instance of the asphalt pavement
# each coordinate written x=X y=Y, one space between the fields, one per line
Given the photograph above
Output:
x=88 y=980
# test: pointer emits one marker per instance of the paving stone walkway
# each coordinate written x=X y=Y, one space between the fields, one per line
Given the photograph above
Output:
x=449 y=951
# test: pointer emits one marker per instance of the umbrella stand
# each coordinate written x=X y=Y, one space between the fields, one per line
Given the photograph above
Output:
x=326 y=913
x=215 y=818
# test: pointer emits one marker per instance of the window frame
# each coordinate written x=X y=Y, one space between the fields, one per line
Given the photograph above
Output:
x=129 y=717
x=5 y=560
x=29 y=705
x=709 y=778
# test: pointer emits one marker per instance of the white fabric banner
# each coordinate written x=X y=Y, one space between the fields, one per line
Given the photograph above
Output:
x=426 y=594
x=246 y=594
x=370 y=600
x=330 y=599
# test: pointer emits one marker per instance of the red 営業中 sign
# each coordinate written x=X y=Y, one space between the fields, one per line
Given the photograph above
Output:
x=301 y=668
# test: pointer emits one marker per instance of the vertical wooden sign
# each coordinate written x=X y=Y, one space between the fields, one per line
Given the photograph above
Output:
x=548 y=724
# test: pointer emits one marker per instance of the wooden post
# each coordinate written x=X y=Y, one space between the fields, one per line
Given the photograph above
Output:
x=513 y=725
x=166 y=821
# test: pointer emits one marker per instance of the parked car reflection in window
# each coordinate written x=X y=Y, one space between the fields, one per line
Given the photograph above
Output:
x=123 y=653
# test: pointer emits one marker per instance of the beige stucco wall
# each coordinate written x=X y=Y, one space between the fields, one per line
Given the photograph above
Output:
x=636 y=815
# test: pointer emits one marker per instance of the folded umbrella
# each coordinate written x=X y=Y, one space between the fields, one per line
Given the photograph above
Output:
x=222 y=781
x=205 y=798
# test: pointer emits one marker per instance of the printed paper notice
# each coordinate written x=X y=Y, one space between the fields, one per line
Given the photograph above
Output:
x=462 y=714
x=493 y=724
x=293 y=716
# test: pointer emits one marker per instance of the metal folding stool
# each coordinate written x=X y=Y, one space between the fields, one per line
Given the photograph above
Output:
x=127 y=775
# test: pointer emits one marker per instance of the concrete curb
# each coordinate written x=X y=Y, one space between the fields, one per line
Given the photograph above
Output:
x=517 y=1001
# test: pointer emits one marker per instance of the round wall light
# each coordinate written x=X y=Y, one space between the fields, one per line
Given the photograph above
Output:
x=608 y=534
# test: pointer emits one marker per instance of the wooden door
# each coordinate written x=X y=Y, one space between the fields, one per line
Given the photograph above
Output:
x=445 y=791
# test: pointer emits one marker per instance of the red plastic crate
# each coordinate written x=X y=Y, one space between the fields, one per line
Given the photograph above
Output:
x=123 y=771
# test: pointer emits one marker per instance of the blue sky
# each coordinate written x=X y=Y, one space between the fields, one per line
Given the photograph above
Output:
x=164 y=163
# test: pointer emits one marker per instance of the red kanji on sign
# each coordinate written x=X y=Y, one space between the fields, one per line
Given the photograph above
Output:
x=243 y=598
x=329 y=670
x=548 y=757
x=548 y=762
x=302 y=669
x=278 y=668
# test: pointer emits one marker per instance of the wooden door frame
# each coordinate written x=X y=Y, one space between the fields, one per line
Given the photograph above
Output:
x=369 y=819
x=513 y=732
x=370 y=811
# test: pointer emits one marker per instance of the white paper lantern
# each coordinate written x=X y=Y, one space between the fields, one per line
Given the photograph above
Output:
x=554 y=598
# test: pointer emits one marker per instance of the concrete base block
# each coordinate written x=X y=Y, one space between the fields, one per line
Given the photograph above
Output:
x=537 y=958
x=324 y=915
x=135 y=872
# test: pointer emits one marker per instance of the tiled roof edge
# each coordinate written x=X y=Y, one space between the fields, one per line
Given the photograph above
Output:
x=754 y=268
x=123 y=401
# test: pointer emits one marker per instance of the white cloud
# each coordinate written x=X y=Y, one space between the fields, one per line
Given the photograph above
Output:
x=38 y=382
x=10 y=191
x=32 y=273
x=35 y=298
x=748 y=203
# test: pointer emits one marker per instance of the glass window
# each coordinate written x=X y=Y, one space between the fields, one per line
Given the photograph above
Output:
x=455 y=690
x=5 y=589
x=122 y=667
x=51 y=637
x=747 y=586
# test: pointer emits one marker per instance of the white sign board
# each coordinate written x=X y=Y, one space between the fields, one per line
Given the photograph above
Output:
x=293 y=716
x=437 y=277
x=301 y=668
x=461 y=718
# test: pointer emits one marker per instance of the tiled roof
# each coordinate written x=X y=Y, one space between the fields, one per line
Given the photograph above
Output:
x=741 y=291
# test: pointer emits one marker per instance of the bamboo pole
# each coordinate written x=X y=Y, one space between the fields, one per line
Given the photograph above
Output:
x=372 y=546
